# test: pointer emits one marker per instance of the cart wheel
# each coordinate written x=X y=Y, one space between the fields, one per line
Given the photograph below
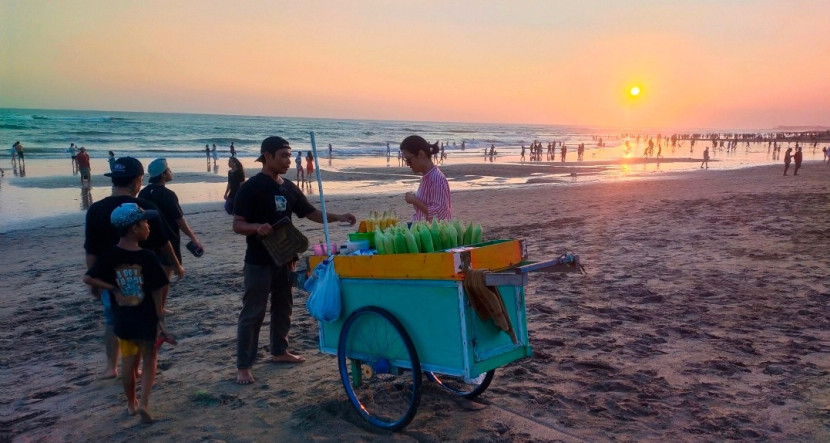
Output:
x=379 y=368
x=461 y=387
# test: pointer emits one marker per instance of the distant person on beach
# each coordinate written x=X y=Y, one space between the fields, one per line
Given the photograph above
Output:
x=111 y=160
x=101 y=235
x=388 y=150
x=18 y=147
x=797 y=158
x=73 y=153
x=298 y=161
x=14 y=153
x=233 y=151
x=214 y=154
x=329 y=149
x=787 y=159
x=263 y=200
x=705 y=158
x=309 y=166
x=563 y=151
x=82 y=159
x=207 y=153
x=236 y=176
x=523 y=153
x=133 y=280
x=433 y=199
x=171 y=214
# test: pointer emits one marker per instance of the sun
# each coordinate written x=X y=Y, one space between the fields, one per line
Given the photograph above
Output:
x=635 y=91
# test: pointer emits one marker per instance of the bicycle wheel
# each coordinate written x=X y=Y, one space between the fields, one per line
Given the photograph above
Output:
x=461 y=387
x=379 y=368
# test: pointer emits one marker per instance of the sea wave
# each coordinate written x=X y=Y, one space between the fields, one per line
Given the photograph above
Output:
x=78 y=118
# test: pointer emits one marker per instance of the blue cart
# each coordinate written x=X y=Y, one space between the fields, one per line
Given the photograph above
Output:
x=397 y=325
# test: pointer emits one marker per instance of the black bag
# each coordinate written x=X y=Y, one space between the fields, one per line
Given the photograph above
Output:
x=285 y=242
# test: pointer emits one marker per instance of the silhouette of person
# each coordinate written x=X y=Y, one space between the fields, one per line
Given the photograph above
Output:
x=787 y=159
x=797 y=157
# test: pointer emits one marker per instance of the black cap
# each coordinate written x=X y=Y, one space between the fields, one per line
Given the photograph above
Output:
x=126 y=167
x=271 y=145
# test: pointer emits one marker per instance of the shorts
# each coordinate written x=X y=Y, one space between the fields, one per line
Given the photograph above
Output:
x=128 y=347
x=109 y=320
x=85 y=173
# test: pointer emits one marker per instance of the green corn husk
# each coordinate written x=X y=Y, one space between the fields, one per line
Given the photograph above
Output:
x=477 y=233
x=435 y=233
x=426 y=239
x=380 y=244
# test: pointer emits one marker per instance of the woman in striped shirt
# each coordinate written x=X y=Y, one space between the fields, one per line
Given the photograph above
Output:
x=433 y=197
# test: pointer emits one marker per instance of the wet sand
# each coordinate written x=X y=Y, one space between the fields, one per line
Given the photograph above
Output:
x=703 y=316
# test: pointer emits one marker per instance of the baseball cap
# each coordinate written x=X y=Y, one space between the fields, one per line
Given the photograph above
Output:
x=129 y=214
x=126 y=167
x=272 y=144
x=157 y=167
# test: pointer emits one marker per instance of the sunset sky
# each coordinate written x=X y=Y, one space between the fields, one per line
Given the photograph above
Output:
x=699 y=64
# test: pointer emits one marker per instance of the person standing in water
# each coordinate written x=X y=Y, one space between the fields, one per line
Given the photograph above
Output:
x=797 y=158
x=788 y=157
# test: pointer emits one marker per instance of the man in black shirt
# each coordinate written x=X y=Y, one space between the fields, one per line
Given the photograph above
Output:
x=261 y=201
x=171 y=214
x=100 y=236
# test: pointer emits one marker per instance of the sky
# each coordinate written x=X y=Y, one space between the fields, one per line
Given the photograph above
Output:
x=745 y=64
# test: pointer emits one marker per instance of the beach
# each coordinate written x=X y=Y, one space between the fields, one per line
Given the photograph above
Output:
x=702 y=316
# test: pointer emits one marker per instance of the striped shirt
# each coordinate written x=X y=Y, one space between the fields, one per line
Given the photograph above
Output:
x=435 y=192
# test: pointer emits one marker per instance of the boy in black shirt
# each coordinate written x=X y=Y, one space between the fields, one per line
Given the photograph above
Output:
x=100 y=236
x=133 y=278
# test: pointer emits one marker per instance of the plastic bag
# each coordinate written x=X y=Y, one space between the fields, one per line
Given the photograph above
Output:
x=324 y=286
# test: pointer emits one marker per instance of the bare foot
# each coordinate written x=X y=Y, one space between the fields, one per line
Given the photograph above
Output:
x=165 y=338
x=108 y=374
x=145 y=415
x=132 y=408
x=244 y=377
x=287 y=357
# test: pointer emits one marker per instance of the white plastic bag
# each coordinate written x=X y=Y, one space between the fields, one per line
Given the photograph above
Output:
x=324 y=285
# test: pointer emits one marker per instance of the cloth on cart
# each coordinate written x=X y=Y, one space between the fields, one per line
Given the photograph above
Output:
x=487 y=301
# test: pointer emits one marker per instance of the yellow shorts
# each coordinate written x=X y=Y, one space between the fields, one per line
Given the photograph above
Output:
x=128 y=347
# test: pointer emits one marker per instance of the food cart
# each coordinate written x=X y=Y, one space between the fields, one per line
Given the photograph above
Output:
x=408 y=315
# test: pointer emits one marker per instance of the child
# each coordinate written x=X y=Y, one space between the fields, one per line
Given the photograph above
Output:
x=133 y=278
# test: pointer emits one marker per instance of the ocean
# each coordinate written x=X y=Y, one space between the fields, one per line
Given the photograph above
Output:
x=48 y=133
x=48 y=186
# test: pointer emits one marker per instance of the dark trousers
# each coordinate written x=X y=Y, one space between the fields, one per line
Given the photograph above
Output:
x=260 y=281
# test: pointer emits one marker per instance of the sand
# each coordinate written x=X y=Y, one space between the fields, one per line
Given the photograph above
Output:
x=703 y=316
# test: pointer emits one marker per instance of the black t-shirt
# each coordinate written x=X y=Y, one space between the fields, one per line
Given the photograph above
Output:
x=171 y=211
x=235 y=179
x=262 y=200
x=101 y=235
x=137 y=274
